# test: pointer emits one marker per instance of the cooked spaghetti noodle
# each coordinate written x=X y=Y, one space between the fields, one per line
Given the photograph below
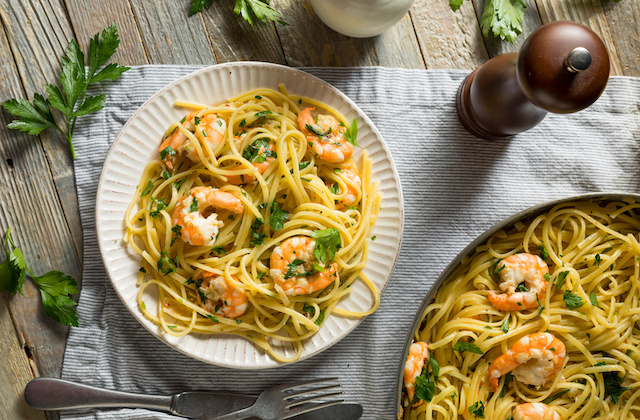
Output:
x=265 y=185
x=592 y=305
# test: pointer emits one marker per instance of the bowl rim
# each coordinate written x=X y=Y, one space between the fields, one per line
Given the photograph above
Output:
x=529 y=212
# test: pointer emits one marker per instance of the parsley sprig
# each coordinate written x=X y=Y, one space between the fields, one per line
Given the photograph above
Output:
x=71 y=101
x=250 y=10
x=55 y=286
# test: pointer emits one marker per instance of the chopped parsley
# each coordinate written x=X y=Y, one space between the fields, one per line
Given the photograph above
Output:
x=257 y=239
x=373 y=238
x=598 y=259
x=291 y=272
x=554 y=397
x=167 y=151
x=351 y=134
x=317 y=130
x=521 y=288
x=612 y=386
x=544 y=254
x=560 y=279
x=263 y=114
x=219 y=250
x=258 y=151
x=465 y=346
x=213 y=318
x=166 y=174
x=278 y=216
x=196 y=120
x=477 y=409
x=572 y=300
x=147 y=189
x=165 y=264
x=194 y=205
x=328 y=242
x=507 y=380
x=505 y=326
x=177 y=230
x=594 y=300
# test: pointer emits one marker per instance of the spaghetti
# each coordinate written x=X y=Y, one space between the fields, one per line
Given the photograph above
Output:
x=234 y=185
x=591 y=304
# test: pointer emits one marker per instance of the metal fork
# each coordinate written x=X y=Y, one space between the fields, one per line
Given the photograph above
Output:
x=283 y=402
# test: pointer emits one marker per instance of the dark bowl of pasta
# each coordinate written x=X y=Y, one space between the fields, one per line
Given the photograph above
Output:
x=537 y=318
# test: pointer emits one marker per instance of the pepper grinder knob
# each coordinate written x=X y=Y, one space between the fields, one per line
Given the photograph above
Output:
x=562 y=67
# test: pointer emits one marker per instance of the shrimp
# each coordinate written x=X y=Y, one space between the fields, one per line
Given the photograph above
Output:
x=261 y=154
x=534 y=359
x=325 y=136
x=518 y=268
x=296 y=270
x=211 y=126
x=418 y=354
x=354 y=186
x=194 y=228
x=219 y=295
x=534 y=411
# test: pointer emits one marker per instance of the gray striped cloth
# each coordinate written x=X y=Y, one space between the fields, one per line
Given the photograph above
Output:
x=455 y=186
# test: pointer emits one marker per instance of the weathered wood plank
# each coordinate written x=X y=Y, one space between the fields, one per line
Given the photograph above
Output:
x=448 y=39
x=38 y=34
x=88 y=20
x=30 y=202
x=624 y=24
x=233 y=39
x=588 y=12
x=531 y=22
x=14 y=371
x=169 y=36
x=307 y=41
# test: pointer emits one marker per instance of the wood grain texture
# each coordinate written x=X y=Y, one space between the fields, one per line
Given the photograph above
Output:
x=169 y=35
x=87 y=21
x=624 y=24
x=30 y=203
x=448 y=39
x=38 y=34
x=530 y=22
x=14 y=371
x=307 y=41
x=233 y=39
x=591 y=14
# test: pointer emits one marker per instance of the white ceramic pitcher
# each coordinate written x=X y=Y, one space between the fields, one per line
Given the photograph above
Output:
x=361 y=18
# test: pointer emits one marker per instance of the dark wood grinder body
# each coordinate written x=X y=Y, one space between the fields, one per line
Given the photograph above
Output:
x=563 y=67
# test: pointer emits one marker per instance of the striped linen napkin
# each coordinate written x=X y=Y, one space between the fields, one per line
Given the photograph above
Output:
x=455 y=186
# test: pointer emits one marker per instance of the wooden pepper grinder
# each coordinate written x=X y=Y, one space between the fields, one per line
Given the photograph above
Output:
x=562 y=67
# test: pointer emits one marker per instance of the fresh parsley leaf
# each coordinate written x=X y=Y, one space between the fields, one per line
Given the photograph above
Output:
x=252 y=10
x=213 y=318
x=425 y=387
x=219 y=250
x=544 y=254
x=308 y=310
x=194 y=205
x=572 y=300
x=13 y=269
x=507 y=379
x=278 y=216
x=594 y=299
x=435 y=367
x=165 y=264
x=554 y=397
x=540 y=307
x=199 y=5
x=455 y=4
x=257 y=239
x=328 y=242
x=505 y=326
x=291 y=272
x=317 y=267
x=521 y=288
x=71 y=100
x=55 y=290
x=598 y=259
x=351 y=134
x=258 y=151
x=320 y=319
x=465 y=346
x=612 y=386
x=503 y=18
x=167 y=151
x=177 y=229
x=560 y=279
x=477 y=409
x=55 y=287
x=262 y=114
x=147 y=189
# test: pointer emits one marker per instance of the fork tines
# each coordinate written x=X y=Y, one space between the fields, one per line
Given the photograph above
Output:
x=296 y=390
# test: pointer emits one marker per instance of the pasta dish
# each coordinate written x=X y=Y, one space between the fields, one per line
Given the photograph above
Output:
x=255 y=220
x=540 y=322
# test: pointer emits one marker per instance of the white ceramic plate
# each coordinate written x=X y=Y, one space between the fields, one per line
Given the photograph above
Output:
x=137 y=144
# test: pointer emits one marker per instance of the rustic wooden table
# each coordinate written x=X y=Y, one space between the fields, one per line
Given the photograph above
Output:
x=37 y=189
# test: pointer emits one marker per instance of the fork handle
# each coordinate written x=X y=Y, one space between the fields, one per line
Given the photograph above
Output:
x=60 y=394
